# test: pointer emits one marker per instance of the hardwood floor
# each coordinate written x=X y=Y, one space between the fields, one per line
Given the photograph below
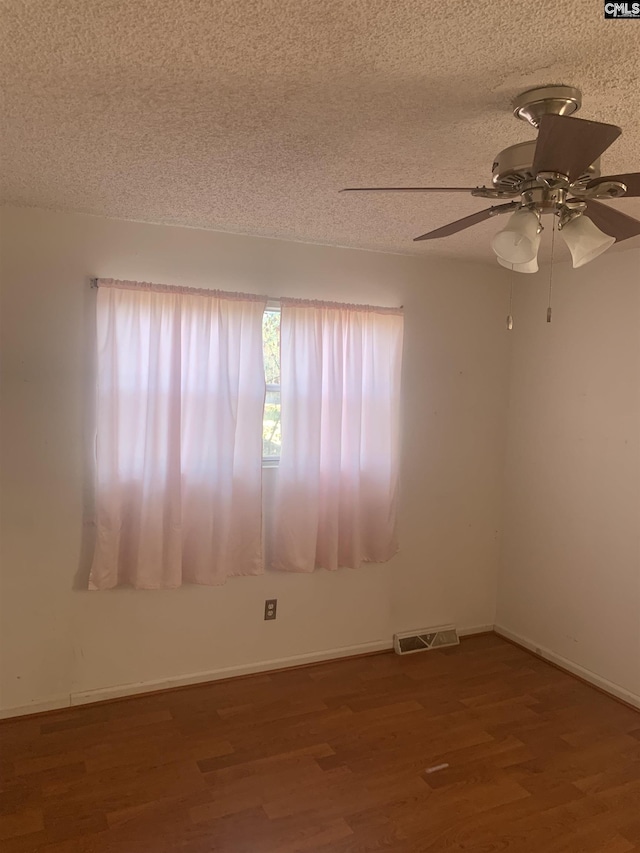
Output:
x=334 y=759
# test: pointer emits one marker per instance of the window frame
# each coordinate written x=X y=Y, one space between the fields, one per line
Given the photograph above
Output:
x=273 y=306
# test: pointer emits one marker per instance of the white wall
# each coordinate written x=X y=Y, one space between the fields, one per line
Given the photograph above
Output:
x=570 y=580
x=58 y=641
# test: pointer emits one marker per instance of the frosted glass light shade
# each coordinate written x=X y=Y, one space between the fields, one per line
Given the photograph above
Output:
x=531 y=266
x=518 y=242
x=585 y=240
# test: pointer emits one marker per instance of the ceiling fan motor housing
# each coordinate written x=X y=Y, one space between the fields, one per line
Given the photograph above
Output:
x=513 y=168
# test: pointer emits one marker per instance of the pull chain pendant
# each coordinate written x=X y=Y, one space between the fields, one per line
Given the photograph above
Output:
x=553 y=241
x=510 y=315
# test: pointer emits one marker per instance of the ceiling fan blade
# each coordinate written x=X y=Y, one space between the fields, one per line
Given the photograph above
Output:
x=408 y=189
x=632 y=181
x=570 y=145
x=468 y=221
x=613 y=222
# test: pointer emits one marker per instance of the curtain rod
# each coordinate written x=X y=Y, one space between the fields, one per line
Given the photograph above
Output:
x=93 y=283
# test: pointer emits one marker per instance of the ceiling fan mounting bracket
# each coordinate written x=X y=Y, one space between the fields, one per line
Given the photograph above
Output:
x=531 y=105
x=603 y=190
x=553 y=180
x=493 y=192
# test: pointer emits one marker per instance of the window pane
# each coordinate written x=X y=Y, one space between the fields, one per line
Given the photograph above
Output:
x=271 y=346
x=271 y=434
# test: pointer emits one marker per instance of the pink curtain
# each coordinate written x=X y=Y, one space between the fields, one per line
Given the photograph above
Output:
x=337 y=490
x=179 y=423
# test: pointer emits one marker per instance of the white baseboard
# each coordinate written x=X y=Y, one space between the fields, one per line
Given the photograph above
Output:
x=119 y=691
x=478 y=629
x=52 y=704
x=586 y=674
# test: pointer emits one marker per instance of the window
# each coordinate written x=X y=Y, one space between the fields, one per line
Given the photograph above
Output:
x=180 y=404
x=271 y=423
x=337 y=492
x=187 y=378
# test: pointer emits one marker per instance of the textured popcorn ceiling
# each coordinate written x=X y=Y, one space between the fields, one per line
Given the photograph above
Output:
x=249 y=115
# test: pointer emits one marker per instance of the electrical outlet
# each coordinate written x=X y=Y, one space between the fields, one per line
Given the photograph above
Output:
x=270 y=606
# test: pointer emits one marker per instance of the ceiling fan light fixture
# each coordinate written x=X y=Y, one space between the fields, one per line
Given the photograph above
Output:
x=519 y=240
x=585 y=240
x=557 y=173
x=531 y=266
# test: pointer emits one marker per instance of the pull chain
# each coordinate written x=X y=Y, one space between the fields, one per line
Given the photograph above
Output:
x=510 y=315
x=553 y=241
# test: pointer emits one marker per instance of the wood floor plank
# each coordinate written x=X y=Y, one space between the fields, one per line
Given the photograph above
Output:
x=477 y=748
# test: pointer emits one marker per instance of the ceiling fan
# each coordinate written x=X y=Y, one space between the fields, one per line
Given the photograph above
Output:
x=557 y=173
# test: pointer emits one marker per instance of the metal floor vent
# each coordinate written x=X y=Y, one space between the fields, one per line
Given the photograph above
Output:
x=428 y=638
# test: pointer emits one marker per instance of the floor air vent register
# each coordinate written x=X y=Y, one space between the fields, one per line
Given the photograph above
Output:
x=425 y=639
